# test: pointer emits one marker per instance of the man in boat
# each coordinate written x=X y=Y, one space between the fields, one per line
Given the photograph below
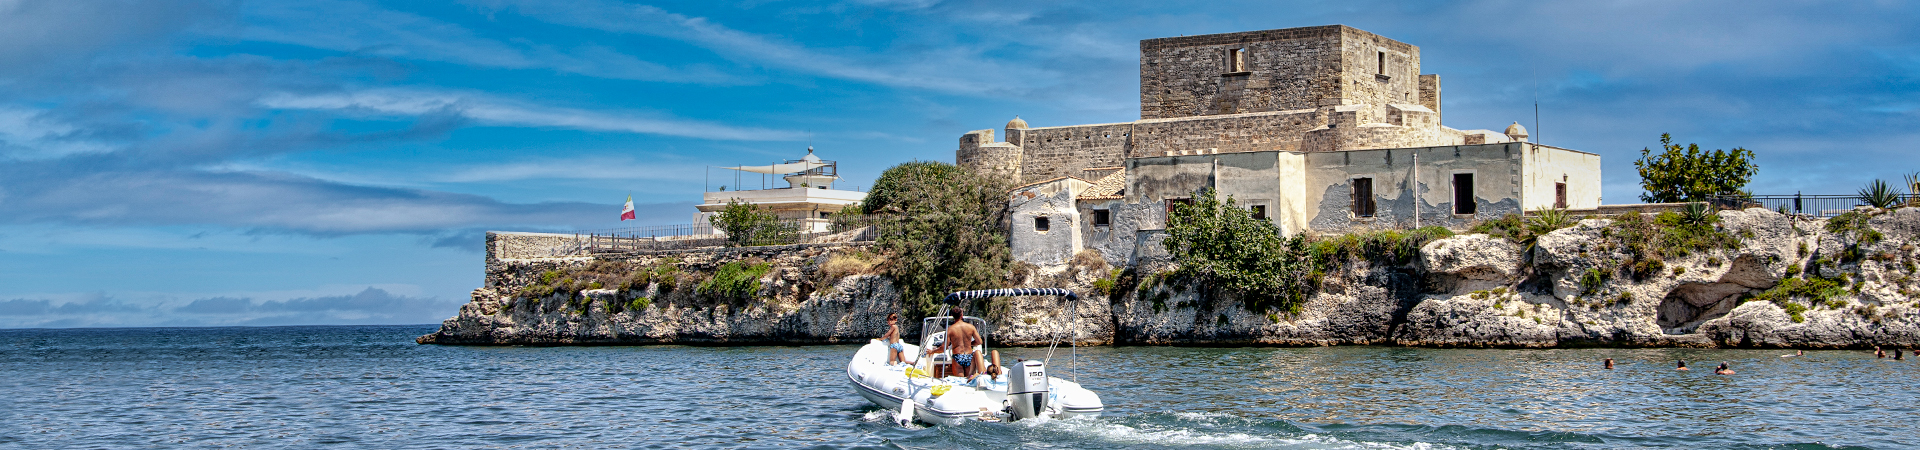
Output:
x=896 y=353
x=961 y=338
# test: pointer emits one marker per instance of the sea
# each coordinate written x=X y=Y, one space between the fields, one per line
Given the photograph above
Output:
x=372 y=387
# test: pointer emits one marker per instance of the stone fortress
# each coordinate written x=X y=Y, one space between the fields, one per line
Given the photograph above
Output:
x=1318 y=129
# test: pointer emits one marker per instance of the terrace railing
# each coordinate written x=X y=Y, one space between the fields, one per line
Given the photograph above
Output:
x=692 y=236
x=1803 y=204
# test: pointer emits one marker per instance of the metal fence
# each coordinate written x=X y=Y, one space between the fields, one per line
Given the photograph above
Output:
x=1810 y=205
x=691 y=236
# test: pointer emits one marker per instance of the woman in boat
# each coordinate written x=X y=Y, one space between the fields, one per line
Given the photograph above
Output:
x=896 y=353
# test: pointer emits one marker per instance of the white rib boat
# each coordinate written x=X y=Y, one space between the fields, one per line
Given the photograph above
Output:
x=1022 y=391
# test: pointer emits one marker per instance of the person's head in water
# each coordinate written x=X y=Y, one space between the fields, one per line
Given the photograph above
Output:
x=1609 y=363
x=1681 y=365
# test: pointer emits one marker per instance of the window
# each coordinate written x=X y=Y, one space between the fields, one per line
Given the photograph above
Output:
x=824 y=214
x=1382 y=65
x=1102 y=217
x=1363 y=197
x=1236 y=60
x=1463 y=194
x=1040 y=224
x=1560 y=195
x=1260 y=212
x=1172 y=202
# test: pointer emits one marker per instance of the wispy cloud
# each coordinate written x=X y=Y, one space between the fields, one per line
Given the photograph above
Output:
x=401 y=102
x=367 y=30
x=957 y=69
x=266 y=201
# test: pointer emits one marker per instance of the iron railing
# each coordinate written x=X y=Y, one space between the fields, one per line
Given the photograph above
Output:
x=1803 y=204
x=691 y=236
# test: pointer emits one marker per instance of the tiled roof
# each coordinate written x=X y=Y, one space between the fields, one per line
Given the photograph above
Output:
x=1107 y=186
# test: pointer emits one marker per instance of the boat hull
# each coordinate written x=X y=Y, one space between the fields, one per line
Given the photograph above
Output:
x=889 y=385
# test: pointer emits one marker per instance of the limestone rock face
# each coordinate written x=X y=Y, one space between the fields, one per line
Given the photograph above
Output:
x=1479 y=291
x=793 y=306
x=1574 y=287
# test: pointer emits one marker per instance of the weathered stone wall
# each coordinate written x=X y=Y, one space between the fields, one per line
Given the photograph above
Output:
x=512 y=245
x=1364 y=81
x=1236 y=133
x=1290 y=69
x=978 y=152
x=1053 y=152
x=1055 y=202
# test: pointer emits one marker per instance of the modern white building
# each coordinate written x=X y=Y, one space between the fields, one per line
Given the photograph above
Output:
x=809 y=197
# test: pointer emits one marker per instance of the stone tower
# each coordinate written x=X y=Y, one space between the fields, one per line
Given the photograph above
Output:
x=1280 y=70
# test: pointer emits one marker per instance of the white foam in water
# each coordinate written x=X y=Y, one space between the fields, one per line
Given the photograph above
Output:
x=888 y=417
x=1117 y=433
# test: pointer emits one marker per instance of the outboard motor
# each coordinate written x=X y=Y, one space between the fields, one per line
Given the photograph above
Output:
x=1027 y=389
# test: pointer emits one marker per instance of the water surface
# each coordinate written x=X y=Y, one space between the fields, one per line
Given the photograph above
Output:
x=372 y=387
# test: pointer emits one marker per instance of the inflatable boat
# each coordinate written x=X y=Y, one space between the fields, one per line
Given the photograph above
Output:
x=921 y=390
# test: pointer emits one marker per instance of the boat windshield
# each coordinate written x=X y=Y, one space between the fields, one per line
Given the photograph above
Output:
x=933 y=332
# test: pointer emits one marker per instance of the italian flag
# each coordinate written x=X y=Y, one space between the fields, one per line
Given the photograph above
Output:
x=627 y=213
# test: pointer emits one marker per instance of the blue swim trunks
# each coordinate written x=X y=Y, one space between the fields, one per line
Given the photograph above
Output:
x=963 y=359
x=897 y=347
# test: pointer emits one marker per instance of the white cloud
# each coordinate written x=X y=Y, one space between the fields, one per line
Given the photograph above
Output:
x=957 y=69
x=364 y=29
x=491 y=111
x=591 y=168
x=28 y=134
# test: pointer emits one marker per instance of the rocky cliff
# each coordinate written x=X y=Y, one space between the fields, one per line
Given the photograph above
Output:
x=801 y=294
x=1753 y=278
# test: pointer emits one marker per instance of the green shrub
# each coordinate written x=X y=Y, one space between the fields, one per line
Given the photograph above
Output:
x=735 y=280
x=1686 y=174
x=1384 y=247
x=942 y=229
x=1592 y=279
x=746 y=225
x=1227 y=251
x=1793 y=270
x=639 y=303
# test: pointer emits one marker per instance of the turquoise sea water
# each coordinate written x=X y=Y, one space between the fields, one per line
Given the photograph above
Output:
x=372 y=387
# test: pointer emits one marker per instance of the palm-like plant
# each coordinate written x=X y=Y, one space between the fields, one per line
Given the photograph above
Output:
x=1697 y=214
x=1913 y=189
x=1880 y=195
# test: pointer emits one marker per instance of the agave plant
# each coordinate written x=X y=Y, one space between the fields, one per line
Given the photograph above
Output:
x=1546 y=220
x=1880 y=195
x=1698 y=214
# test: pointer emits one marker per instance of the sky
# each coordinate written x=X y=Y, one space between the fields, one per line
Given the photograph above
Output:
x=222 y=163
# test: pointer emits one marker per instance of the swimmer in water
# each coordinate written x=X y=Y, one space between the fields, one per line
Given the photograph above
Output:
x=1878 y=353
x=1723 y=370
x=1896 y=355
x=1683 y=365
x=1609 y=363
x=1795 y=353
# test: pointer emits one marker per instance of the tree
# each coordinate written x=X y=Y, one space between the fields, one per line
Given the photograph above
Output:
x=746 y=225
x=943 y=229
x=1222 y=246
x=1686 y=174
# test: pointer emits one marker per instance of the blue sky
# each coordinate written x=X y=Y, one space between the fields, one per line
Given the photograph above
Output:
x=189 y=163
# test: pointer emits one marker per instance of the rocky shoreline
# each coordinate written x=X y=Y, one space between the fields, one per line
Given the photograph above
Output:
x=1787 y=282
